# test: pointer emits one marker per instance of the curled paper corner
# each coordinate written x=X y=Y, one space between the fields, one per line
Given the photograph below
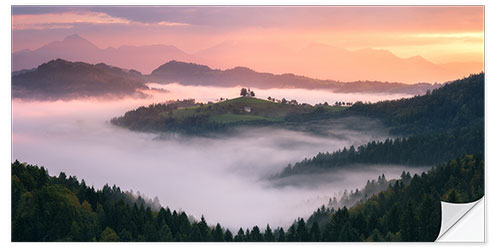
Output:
x=462 y=222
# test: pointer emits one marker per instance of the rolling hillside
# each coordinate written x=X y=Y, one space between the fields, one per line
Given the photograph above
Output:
x=187 y=116
x=60 y=79
x=432 y=129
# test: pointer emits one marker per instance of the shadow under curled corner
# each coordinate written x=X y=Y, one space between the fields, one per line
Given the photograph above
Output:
x=462 y=222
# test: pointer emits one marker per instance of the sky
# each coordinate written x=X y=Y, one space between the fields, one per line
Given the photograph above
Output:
x=451 y=35
x=435 y=33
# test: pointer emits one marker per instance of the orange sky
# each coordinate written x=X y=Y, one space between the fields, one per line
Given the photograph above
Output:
x=451 y=35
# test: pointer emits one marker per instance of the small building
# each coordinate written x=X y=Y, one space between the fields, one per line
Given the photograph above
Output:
x=247 y=109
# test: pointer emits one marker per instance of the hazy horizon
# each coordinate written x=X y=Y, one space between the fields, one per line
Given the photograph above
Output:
x=413 y=44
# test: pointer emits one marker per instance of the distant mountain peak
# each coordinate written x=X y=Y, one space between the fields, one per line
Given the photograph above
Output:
x=74 y=47
x=74 y=37
x=376 y=51
x=75 y=40
x=418 y=59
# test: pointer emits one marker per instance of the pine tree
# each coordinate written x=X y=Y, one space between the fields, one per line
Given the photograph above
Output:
x=426 y=211
x=218 y=234
x=348 y=234
x=203 y=227
x=165 y=234
x=240 y=236
x=281 y=235
x=291 y=234
x=255 y=235
x=302 y=233
x=268 y=234
x=408 y=223
x=228 y=236
x=195 y=234
x=315 y=232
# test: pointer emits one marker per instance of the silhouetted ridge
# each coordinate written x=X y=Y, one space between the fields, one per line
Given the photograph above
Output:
x=61 y=79
x=196 y=74
x=180 y=68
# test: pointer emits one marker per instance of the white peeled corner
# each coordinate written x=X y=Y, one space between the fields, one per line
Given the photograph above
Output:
x=462 y=222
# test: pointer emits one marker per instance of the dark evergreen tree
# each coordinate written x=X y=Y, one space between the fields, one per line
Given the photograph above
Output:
x=315 y=232
x=291 y=234
x=281 y=235
x=165 y=234
x=302 y=232
x=409 y=223
x=268 y=234
x=195 y=234
x=228 y=236
x=255 y=235
x=240 y=236
x=347 y=233
x=218 y=234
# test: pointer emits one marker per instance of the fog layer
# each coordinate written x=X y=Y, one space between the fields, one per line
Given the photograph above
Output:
x=223 y=178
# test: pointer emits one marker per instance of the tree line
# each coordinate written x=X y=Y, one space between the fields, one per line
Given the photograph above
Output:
x=409 y=209
x=457 y=104
x=443 y=124
x=416 y=150
x=49 y=208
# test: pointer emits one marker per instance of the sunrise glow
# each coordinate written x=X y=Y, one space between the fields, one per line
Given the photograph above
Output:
x=270 y=39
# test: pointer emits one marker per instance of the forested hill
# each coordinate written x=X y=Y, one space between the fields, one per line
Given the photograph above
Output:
x=457 y=104
x=46 y=208
x=415 y=150
x=60 y=79
x=196 y=74
x=410 y=209
x=434 y=128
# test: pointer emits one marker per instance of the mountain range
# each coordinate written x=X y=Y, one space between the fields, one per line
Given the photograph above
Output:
x=328 y=62
x=315 y=60
x=196 y=74
x=76 y=48
x=61 y=79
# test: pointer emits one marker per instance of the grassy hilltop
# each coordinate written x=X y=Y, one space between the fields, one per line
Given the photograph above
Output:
x=188 y=116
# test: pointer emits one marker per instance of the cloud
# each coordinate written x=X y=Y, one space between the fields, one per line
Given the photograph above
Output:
x=163 y=23
x=42 y=26
x=66 y=20
x=36 y=10
x=451 y=35
x=57 y=20
x=360 y=18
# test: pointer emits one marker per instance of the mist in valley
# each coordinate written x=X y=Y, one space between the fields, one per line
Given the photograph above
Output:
x=225 y=178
